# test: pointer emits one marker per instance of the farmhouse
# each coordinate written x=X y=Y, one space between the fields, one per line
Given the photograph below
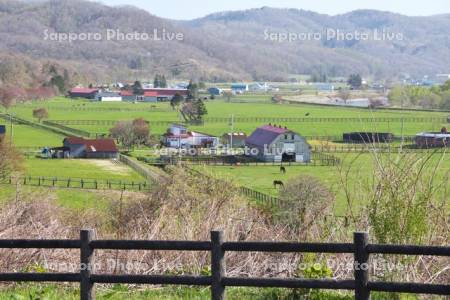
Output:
x=237 y=138
x=75 y=147
x=178 y=136
x=108 y=97
x=83 y=93
x=279 y=144
x=433 y=139
x=164 y=94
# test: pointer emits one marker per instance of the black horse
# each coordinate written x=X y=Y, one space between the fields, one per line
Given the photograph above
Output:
x=278 y=183
x=282 y=170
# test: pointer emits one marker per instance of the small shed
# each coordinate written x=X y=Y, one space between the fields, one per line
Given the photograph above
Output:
x=237 y=138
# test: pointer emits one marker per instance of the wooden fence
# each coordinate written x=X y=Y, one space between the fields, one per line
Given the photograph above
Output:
x=318 y=159
x=76 y=183
x=273 y=120
x=380 y=148
x=139 y=168
x=74 y=131
x=101 y=122
x=218 y=280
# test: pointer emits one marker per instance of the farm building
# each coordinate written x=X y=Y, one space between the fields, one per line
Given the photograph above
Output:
x=178 y=136
x=164 y=94
x=86 y=93
x=215 y=91
x=433 y=139
x=323 y=86
x=108 y=97
x=279 y=144
x=239 y=87
x=368 y=137
x=2 y=132
x=75 y=147
x=237 y=138
x=128 y=96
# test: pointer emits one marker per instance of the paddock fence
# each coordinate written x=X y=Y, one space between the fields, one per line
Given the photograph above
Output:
x=278 y=120
x=75 y=183
x=218 y=281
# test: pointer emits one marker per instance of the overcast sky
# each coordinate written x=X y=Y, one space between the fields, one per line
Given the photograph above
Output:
x=190 y=9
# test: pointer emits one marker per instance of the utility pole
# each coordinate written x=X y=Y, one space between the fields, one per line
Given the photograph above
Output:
x=232 y=131
x=11 y=130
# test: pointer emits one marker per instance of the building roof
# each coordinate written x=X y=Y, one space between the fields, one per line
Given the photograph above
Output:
x=78 y=90
x=166 y=92
x=96 y=145
x=108 y=94
x=265 y=135
x=126 y=93
x=437 y=135
x=151 y=94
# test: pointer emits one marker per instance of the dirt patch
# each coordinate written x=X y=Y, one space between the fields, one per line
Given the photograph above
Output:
x=113 y=166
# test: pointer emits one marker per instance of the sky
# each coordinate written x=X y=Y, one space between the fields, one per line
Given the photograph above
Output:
x=191 y=9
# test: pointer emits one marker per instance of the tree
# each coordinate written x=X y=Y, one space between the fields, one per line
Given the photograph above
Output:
x=201 y=109
x=344 y=94
x=160 y=81
x=141 y=131
x=40 y=113
x=176 y=100
x=131 y=133
x=7 y=98
x=58 y=82
x=137 y=88
x=355 y=81
x=304 y=202
x=228 y=95
x=192 y=90
x=10 y=159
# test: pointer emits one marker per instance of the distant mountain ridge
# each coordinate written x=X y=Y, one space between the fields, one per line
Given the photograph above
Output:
x=223 y=46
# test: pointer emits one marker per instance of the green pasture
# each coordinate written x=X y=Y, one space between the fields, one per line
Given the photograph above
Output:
x=80 y=168
x=253 y=106
x=261 y=178
x=29 y=137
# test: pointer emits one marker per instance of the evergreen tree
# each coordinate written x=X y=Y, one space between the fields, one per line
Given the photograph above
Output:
x=137 y=88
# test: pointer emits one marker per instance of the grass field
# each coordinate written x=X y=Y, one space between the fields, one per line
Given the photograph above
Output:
x=80 y=168
x=29 y=137
x=253 y=106
x=261 y=178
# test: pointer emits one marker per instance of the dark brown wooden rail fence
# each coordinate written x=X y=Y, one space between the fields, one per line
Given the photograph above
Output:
x=76 y=183
x=218 y=281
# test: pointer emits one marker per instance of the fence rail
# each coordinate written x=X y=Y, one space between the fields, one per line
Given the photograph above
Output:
x=101 y=122
x=273 y=120
x=218 y=281
x=76 y=183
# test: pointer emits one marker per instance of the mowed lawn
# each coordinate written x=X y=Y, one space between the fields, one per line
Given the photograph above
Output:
x=261 y=178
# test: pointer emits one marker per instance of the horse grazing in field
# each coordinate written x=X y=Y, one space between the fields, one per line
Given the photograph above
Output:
x=282 y=170
x=278 y=183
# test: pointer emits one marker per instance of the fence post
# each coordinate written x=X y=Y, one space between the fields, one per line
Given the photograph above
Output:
x=361 y=266
x=87 y=291
x=217 y=266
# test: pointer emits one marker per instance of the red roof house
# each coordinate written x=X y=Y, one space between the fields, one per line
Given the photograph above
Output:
x=95 y=148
